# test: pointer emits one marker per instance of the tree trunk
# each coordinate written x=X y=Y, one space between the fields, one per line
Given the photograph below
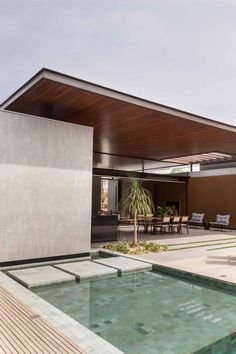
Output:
x=135 y=241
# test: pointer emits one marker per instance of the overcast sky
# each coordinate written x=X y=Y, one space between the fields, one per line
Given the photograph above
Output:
x=181 y=53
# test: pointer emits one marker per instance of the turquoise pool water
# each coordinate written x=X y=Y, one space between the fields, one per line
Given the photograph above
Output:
x=151 y=313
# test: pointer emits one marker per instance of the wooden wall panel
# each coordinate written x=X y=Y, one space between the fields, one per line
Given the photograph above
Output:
x=123 y=128
x=213 y=195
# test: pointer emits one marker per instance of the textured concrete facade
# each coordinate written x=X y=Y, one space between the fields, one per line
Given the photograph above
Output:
x=45 y=187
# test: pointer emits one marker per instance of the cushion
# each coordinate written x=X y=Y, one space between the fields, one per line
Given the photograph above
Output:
x=197 y=217
x=222 y=219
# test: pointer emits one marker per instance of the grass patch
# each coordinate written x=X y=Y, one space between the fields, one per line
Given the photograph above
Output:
x=204 y=241
x=142 y=247
x=220 y=248
x=206 y=245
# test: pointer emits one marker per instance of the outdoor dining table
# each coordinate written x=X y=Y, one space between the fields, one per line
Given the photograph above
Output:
x=154 y=222
x=151 y=222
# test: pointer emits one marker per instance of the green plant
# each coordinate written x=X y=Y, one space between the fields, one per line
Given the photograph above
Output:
x=137 y=201
x=152 y=246
x=162 y=211
x=122 y=247
x=142 y=247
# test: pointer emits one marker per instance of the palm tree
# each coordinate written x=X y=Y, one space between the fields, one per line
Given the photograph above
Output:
x=137 y=201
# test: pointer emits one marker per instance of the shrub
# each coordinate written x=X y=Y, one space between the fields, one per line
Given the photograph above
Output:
x=142 y=247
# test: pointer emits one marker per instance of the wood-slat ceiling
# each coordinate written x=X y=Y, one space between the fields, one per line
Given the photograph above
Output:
x=124 y=128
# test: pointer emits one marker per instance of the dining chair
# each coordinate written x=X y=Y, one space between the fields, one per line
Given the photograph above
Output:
x=166 y=225
x=141 y=221
x=184 y=223
x=175 y=225
x=149 y=222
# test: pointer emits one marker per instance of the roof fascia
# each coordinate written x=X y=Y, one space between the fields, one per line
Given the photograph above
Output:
x=101 y=90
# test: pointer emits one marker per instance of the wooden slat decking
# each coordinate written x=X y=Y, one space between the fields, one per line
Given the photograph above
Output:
x=23 y=331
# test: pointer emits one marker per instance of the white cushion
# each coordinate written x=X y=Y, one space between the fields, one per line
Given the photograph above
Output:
x=197 y=217
x=222 y=219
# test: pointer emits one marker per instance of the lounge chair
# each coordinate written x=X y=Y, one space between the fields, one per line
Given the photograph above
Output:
x=197 y=220
x=221 y=222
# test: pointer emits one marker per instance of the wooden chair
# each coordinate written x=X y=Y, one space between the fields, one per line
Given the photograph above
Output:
x=184 y=223
x=149 y=222
x=175 y=225
x=163 y=225
x=141 y=221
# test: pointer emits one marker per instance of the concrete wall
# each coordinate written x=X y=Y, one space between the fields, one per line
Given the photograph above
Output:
x=45 y=187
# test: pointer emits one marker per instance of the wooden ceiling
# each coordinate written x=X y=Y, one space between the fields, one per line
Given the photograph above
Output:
x=123 y=125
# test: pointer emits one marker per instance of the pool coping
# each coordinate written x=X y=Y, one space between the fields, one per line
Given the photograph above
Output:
x=49 y=263
x=195 y=277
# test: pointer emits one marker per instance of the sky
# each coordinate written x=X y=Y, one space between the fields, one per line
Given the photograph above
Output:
x=181 y=53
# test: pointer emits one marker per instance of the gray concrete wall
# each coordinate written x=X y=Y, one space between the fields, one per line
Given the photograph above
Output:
x=45 y=187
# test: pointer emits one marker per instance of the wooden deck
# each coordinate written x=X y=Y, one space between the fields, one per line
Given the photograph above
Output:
x=23 y=331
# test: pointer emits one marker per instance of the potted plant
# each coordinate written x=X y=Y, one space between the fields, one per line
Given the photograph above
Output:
x=162 y=211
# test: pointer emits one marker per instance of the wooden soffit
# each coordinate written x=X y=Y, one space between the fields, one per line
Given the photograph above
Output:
x=123 y=125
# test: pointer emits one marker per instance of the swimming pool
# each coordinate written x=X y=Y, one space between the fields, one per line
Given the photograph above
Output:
x=151 y=313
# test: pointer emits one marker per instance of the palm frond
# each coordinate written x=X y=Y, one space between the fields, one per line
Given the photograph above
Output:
x=138 y=200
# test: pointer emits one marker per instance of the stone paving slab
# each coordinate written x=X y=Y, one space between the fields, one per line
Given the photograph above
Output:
x=215 y=264
x=87 y=270
x=194 y=235
x=38 y=276
x=124 y=265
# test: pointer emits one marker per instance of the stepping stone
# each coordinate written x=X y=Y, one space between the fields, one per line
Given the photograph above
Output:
x=84 y=270
x=125 y=265
x=38 y=276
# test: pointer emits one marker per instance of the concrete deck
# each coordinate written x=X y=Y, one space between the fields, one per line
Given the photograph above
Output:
x=219 y=265
x=87 y=270
x=125 y=265
x=202 y=252
x=31 y=277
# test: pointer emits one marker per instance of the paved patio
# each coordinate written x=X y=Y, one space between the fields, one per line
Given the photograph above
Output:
x=203 y=252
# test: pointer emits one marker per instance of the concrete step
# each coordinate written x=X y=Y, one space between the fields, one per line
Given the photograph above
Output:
x=87 y=270
x=38 y=276
x=124 y=265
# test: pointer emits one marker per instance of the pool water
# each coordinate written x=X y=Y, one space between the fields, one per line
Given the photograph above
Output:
x=150 y=313
x=100 y=256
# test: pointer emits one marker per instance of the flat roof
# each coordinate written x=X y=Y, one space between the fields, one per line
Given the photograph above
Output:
x=124 y=125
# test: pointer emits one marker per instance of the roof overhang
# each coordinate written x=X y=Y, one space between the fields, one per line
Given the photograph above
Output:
x=124 y=125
